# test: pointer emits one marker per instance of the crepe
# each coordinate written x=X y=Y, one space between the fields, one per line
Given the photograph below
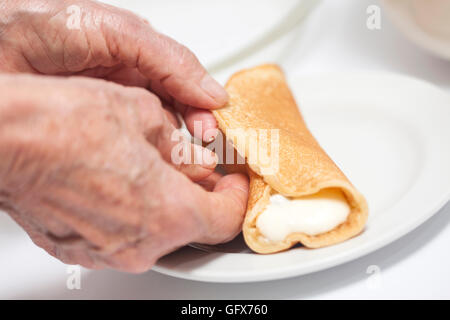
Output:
x=261 y=99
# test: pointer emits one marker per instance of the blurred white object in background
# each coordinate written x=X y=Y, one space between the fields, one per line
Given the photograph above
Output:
x=426 y=22
x=235 y=24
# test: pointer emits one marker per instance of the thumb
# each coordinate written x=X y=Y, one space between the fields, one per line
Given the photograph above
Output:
x=224 y=209
x=166 y=62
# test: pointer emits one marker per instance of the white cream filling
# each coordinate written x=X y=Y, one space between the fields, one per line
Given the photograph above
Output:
x=312 y=215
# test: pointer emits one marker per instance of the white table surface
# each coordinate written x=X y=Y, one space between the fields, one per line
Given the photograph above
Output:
x=334 y=38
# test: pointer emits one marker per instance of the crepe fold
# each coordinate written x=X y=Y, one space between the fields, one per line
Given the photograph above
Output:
x=261 y=99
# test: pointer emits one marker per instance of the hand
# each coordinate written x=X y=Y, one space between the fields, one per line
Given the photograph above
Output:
x=85 y=170
x=112 y=44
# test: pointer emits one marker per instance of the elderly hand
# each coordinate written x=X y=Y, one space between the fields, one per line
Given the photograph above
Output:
x=82 y=37
x=85 y=169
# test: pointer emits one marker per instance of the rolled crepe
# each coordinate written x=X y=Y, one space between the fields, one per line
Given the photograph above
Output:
x=260 y=99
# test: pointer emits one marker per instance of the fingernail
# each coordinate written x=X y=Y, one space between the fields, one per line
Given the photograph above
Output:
x=210 y=135
x=214 y=89
x=209 y=159
x=205 y=157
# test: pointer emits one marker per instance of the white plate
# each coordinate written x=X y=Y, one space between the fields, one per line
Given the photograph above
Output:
x=391 y=135
x=216 y=30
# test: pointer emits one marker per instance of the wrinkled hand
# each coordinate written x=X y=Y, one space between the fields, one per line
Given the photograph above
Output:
x=86 y=171
x=42 y=37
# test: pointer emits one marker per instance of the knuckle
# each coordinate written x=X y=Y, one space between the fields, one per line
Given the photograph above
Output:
x=188 y=61
x=182 y=60
x=142 y=108
x=185 y=55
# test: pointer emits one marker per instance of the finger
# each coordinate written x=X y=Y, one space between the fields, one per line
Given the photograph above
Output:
x=201 y=124
x=161 y=58
x=193 y=160
x=180 y=73
x=191 y=214
x=128 y=76
x=224 y=209
x=121 y=74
